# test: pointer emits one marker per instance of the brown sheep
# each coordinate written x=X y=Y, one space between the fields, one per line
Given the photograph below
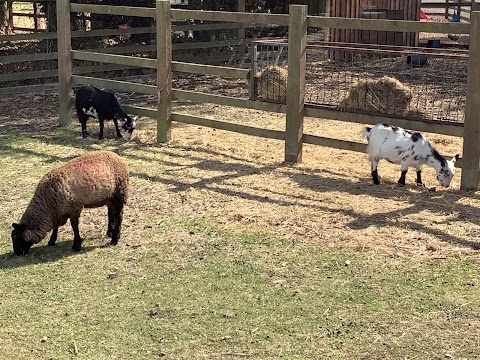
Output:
x=95 y=179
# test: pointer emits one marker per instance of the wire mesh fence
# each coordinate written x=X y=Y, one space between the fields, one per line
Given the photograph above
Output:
x=374 y=79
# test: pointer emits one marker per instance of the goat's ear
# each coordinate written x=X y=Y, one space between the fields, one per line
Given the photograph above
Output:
x=19 y=227
x=455 y=158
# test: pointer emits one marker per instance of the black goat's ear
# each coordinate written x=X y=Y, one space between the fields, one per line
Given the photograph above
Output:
x=19 y=227
x=456 y=157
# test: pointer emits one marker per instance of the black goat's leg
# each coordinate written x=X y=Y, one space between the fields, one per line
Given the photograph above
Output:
x=115 y=121
x=101 y=123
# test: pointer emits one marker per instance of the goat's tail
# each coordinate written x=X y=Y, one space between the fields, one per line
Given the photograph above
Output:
x=366 y=131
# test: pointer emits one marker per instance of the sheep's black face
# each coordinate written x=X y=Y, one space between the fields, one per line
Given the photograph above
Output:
x=20 y=245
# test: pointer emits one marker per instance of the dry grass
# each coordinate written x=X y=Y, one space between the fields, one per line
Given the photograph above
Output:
x=244 y=255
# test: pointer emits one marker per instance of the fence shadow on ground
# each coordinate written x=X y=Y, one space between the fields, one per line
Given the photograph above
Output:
x=231 y=166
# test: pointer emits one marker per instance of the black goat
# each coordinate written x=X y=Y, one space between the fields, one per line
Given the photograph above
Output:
x=102 y=105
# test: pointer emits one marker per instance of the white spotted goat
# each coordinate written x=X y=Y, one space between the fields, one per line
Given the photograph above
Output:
x=407 y=148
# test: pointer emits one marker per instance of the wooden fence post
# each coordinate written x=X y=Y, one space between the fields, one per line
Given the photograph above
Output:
x=164 y=70
x=297 y=41
x=471 y=137
x=64 y=45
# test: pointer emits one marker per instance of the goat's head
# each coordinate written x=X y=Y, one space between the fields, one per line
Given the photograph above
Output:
x=446 y=172
x=126 y=124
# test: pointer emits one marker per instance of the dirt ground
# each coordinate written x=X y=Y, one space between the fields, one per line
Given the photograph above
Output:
x=241 y=183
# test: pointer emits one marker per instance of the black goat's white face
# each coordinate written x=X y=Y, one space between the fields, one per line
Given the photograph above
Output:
x=126 y=126
x=445 y=175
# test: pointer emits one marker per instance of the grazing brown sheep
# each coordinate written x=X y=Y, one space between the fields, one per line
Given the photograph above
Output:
x=96 y=179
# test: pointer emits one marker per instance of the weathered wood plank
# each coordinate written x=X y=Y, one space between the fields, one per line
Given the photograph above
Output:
x=114 y=59
x=236 y=17
x=141 y=111
x=297 y=40
x=223 y=71
x=64 y=63
x=164 y=70
x=389 y=25
x=8 y=59
x=228 y=101
x=29 y=89
x=113 y=10
x=114 y=84
x=471 y=139
x=335 y=143
x=16 y=76
x=224 y=125
x=437 y=127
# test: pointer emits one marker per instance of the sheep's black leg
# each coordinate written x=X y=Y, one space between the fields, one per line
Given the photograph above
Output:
x=117 y=215
x=100 y=134
x=419 y=178
x=77 y=240
x=401 y=181
x=53 y=237
x=110 y=221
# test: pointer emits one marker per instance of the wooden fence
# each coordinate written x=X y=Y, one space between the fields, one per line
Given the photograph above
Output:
x=295 y=108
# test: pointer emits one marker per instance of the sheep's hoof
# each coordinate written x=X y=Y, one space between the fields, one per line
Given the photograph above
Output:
x=51 y=243
x=420 y=184
x=400 y=184
x=85 y=134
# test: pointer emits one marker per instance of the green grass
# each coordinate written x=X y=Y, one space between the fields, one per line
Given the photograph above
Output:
x=221 y=294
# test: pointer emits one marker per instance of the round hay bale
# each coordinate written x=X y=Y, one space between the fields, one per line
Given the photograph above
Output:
x=384 y=95
x=272 y=83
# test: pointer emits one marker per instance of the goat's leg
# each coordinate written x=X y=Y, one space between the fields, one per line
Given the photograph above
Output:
x=77 y=240
x=53 y=237
x=83 y=121
x=101 y=122
x=374 y=166
x=419 y=177
x=115 y=121
x=404 y=168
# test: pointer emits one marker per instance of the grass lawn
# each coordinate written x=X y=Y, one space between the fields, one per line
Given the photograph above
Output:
x=226 y=253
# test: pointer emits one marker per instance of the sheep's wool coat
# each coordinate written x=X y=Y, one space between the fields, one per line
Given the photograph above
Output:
x=87 y=181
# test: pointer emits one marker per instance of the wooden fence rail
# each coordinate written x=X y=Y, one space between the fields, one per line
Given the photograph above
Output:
x=295 y=108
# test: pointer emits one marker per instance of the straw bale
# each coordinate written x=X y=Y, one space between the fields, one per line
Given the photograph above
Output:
x=385 y=95
x=272 y=83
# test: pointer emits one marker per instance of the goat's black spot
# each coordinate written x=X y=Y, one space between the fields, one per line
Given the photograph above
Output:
x=438 y=157
x=394 y=128
x=400 y=152
x=416 y=136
